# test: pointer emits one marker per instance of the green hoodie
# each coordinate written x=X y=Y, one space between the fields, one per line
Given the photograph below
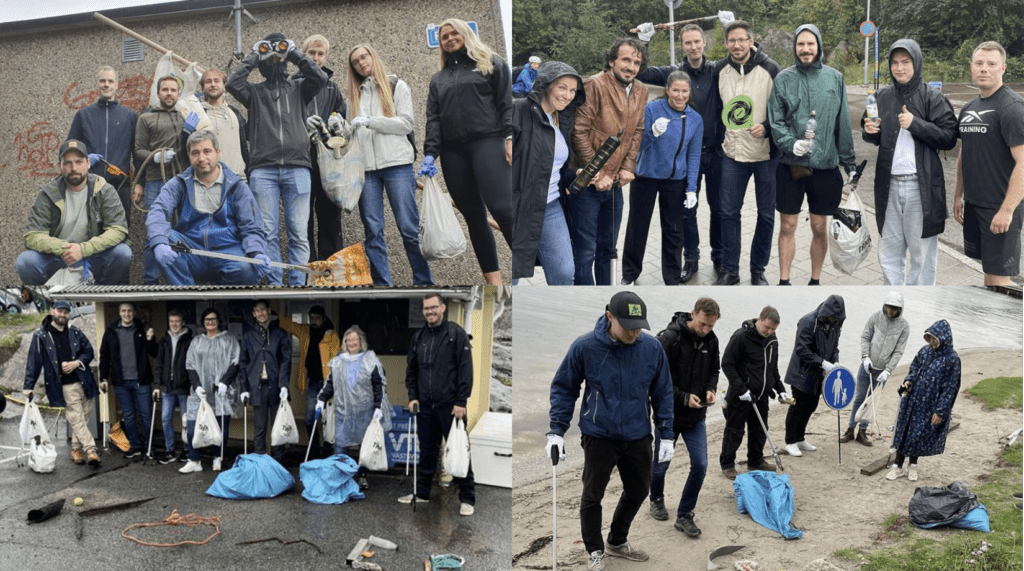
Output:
x=107 y=226
x=798 y=90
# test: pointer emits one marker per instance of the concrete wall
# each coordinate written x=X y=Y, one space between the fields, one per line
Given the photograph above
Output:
x=48 y=76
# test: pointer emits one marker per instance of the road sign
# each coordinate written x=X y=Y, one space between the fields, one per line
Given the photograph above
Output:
x=867 y=28
x=432 y=41
x=839 y=388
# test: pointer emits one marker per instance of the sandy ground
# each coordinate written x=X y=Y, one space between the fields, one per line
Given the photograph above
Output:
x=835 y=505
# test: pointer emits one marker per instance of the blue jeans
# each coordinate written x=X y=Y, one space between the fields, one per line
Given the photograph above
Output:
x=225 y=424
x=696 y=440
x=862 y=391
x=187 y=269
x=400 y=184
x=170 y=400
x=555 y=247
x=107 y=267
x=135 y=401
x=290 y=186
x=596 y=217
x=734 y=185
x=150 y=269
x=711 y=172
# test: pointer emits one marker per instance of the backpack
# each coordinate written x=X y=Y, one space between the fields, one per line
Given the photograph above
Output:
x=411 y=135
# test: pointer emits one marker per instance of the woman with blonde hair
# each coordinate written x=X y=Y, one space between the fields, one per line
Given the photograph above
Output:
x=381 y=113
x=469 y=127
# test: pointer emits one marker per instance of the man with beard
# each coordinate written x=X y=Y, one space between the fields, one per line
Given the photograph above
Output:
x=279 y=145
x=63 y=353
x=615 y=103
x=215 y=211
x=161 y=133
x=318 y=344
x=109 y=130
x=76 y=220
x=809 y=166
x=227 y=123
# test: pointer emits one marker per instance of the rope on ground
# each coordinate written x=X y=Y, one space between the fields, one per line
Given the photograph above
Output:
x=190 y=520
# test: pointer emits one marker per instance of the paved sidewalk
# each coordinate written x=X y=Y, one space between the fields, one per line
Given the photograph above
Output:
x=953 y=267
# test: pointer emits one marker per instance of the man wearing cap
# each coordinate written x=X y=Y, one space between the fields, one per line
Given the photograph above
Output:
x=626 y=374
x=279 y=160
x=76 y=220
x=63 y=353
x=524 y=83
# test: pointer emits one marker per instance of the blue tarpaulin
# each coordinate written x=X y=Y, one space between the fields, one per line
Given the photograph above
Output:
x=252 y=477
x=768 y=498
x=329 y=481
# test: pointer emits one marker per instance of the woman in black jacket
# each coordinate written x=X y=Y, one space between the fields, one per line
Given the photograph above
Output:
x=469 y=124
x=541 y=146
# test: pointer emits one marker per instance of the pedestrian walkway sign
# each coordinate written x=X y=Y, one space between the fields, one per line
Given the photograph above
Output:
x=839 y=388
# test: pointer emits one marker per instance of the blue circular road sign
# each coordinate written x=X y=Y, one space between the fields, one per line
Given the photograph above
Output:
x=867 y=28
x=839 y=388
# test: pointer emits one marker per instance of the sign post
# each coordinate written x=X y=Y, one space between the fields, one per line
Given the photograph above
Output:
x=838 y=393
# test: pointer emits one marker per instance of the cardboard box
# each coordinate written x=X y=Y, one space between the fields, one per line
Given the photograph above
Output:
x=491 y=449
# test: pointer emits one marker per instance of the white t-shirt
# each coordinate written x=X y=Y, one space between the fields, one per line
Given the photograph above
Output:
x=903 y=161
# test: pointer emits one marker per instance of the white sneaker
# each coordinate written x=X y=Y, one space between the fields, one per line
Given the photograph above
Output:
x=408 y=500
x=794 y=450
x=894 y=472
x=805 y=445
x=596 y=562
x=912 y=472
x=216 y=464
x=466 y=509
x=191 y=466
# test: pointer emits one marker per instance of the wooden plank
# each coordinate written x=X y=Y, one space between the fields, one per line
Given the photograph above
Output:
x=877 y=465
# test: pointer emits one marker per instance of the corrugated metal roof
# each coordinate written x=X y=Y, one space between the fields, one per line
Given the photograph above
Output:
x=140 y=293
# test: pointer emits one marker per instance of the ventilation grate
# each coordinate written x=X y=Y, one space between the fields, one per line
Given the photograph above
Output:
x=132 y=50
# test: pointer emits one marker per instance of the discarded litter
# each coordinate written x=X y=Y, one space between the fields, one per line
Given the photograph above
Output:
x=190 y=520
x=46 y=512
x=445 y=562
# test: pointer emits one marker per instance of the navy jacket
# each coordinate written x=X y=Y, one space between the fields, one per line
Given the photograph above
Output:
x=110 y=354
x=816 y=341
x=42 y=356
x=107 y=128
x=271 y=345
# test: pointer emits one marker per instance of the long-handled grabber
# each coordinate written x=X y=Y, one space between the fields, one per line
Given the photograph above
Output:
x=152 y=427
x=105 y=417
x=218 y=461
x=312 y=436
x=185 y=249
x=554 y=508
x=245 y=428
x=775 y=453
x=416 y=450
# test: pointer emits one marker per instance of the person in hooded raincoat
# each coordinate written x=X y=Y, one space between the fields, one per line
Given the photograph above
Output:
x=541 y=146
x=212 y=365
x=928 y=394
x=815 y=355
x=359 y=388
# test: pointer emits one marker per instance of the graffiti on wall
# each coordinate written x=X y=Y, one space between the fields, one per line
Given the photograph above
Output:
x=132 y=92
x=37 y=149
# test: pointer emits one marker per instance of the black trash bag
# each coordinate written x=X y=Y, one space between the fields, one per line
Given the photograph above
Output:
x=46 y=512
x=3 y=402
x=941 y=506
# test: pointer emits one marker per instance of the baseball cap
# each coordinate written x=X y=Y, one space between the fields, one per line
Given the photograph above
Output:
x=72 y=145
x=66 y=306
x=629 y=310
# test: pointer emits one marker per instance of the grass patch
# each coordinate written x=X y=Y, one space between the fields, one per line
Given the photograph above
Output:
x=999 y=392
x=19 y=319
x=849 y=554
x=504 y=380
x=12 y=339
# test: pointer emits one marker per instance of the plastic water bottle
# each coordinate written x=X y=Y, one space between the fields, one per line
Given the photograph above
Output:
x=810 y=128
x=871 y=105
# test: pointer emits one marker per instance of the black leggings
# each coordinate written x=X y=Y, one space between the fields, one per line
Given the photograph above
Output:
x=900 y=457
x=479 y=179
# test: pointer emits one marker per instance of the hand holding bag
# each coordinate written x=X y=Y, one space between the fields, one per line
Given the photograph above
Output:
x=456 y=452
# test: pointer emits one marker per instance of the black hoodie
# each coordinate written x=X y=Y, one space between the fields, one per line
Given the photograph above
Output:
x=694 y=365
x=816 y=341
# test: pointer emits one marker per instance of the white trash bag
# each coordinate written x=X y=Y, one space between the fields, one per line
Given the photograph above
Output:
x=328 y=423
x=441 y=236
x=284 y=431
x=187 y=100
x=342 y=176
x=372 y=454
x=207 y=428
x=42 y=455
x=848 y=247
x=456 y=451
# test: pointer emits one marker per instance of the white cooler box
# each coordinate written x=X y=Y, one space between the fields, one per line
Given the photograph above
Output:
x=491 y=449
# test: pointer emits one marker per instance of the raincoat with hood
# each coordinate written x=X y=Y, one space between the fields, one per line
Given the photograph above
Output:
x=933 y=129
x=358 y=385
x=211 y=361
x=935 y=374
x=42 y=356
x=800 y=89
x=816 y=341
x=533 y=152
x=884 y=339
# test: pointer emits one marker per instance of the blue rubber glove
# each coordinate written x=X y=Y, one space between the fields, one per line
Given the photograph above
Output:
x=165 y=255
x=94 y=158
x=264 y=267
x=427 y=168
x=191 y=122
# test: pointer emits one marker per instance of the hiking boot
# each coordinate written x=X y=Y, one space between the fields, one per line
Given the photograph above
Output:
x=862 y=437
x=658 y=510
x=93 y=457
x=77 y=456
x=912 y=472
x=169 y=458
x=626 y=551
x=685 y=524
x=847 y=436
x=466 y=509
x=894 y=472
x=805 y=445
x=191 y=466
x=408 y=500
x=793 y=450
x=364 y=484
x=763 y=466
x=730 y=473
x=596 y=562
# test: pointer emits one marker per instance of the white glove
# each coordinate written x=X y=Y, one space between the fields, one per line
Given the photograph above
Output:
x=882 y=377
x=645 y=31
x=164 y=156
x=335 y=123
x=245 y=397
x=784 y=397
x=360 y=122
x=867 y=365
x=827 y=367
x=320 y=406
x=802 y=147
x=314 y=122
x=665 y=452
x=222 y=389
x=284 y=393
x=747 y=397
x=691 y=200
x=378 y=414
x=200 y=392
x=559 y=443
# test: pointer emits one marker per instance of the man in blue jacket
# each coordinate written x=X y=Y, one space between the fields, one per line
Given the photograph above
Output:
x=266 y=369
x=625 y=372
x=216 y=211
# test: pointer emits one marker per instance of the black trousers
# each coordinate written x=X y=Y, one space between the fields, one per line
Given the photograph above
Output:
x=739 y=416
x=433 y=424
x=900 y=458
x=633 y=459
x=671 y=198
x=799 y=415
x=327 y=216
x=264 y=408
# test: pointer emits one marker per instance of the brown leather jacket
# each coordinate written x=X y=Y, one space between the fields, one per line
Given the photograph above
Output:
x=607 y=110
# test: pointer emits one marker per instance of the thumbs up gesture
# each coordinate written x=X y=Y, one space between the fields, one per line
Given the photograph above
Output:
x=905 y=118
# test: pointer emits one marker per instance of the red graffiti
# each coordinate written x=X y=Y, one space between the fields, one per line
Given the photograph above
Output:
x=37 y=147
x=132 y=92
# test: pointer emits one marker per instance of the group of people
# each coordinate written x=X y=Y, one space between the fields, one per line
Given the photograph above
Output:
x=628 y=377
x=743 y=116
x=221 y=188
x=213 y=366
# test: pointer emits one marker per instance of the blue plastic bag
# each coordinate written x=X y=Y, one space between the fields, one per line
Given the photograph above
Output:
x=976 y=519
x=329 y=481
x=768 y=498
x=252 y=477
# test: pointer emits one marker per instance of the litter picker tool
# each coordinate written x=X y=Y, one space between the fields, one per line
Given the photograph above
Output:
x=554 y=508
x=870 y=403
x=316 y=421
x=218 y=461
x=183 y=248
x=152 y=426
x=245 y=428
x=416 y=450
x=105 y=417
x=723 y=16
x=764 y=427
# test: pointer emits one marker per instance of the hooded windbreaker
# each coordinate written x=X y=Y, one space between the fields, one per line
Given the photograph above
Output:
x=884 y=339
x=756 y=80
x=623 y=383
x=935 y=374
x=800 y=89
x=693 y=365
x=751 y=363
x=533 y=155
x=212 y=361
x=816 y=342
x=42 y=356
x=933 y=130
